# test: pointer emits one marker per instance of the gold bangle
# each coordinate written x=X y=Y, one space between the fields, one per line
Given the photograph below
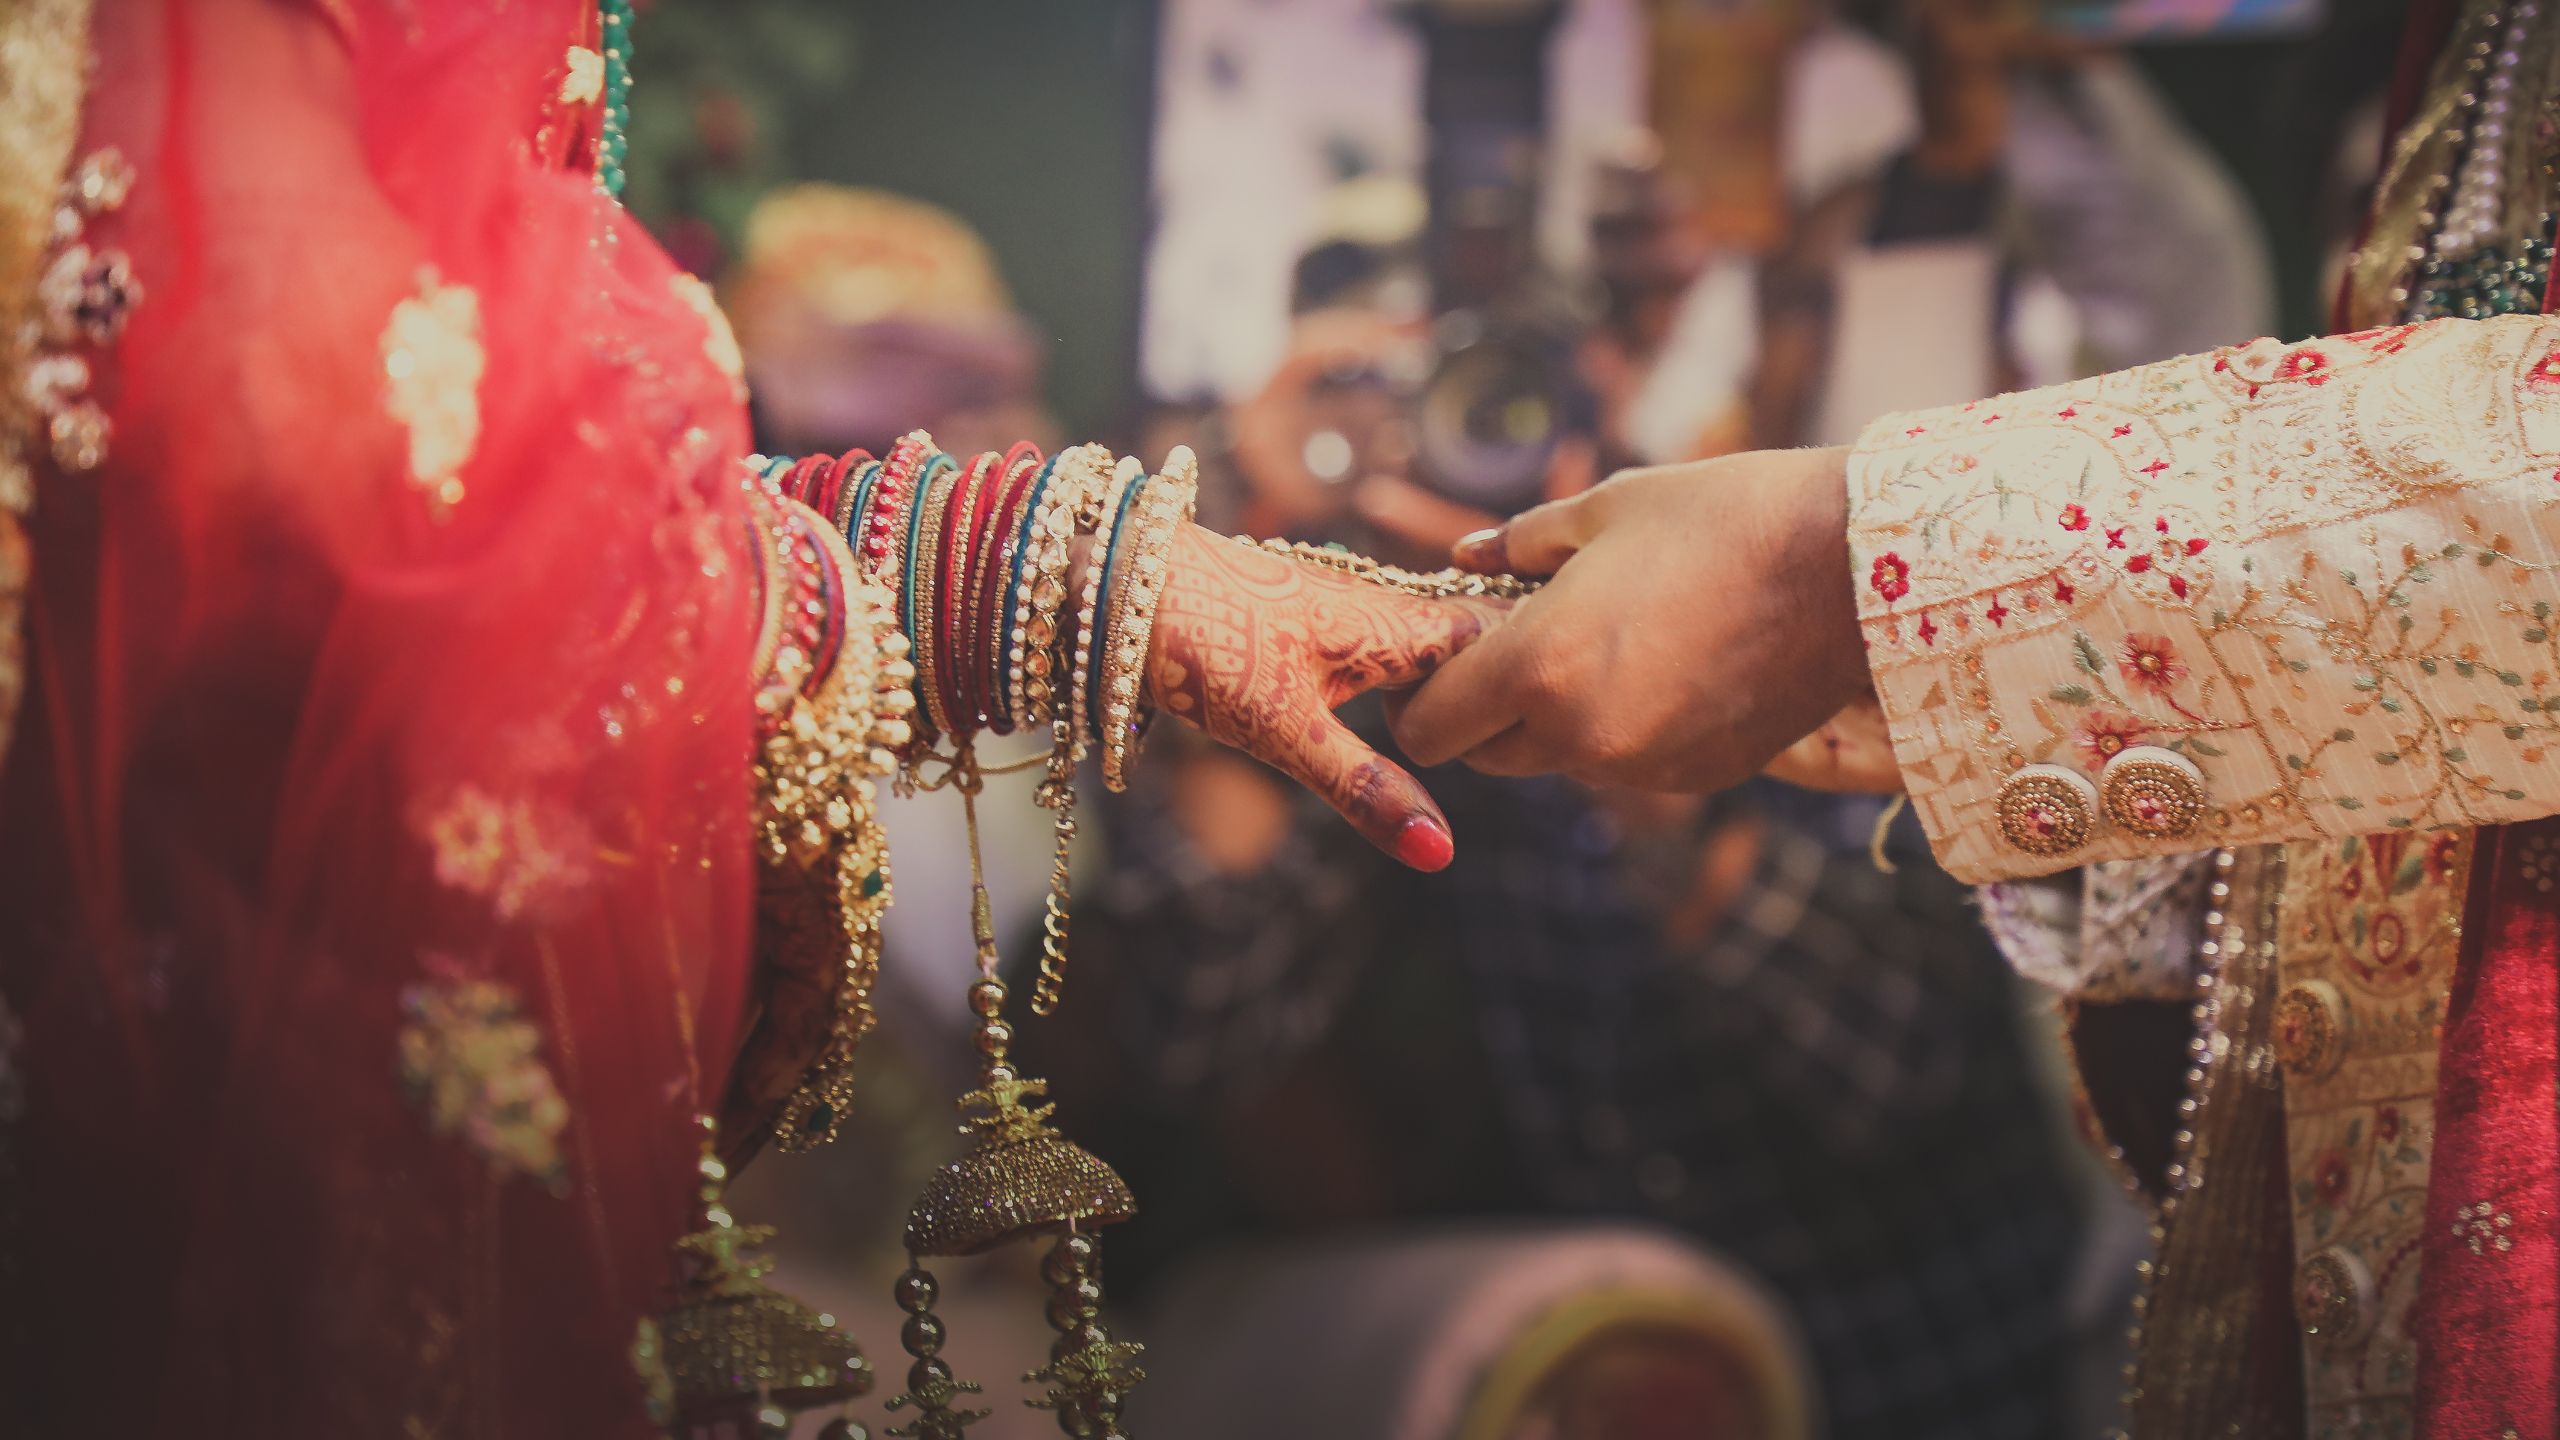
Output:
x=1164 y=507
x=1080 y=472
x=924 y=578
x=1080 y=671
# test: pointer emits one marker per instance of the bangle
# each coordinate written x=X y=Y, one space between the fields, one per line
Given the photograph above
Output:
x=1013 y=607
x=987 y=617
x=1116 y=568
x=1166 y=508
x=951 y=580
x=1076 y=478
x=795 y=481
x=1105 y=511
x=858 y=497
x=837 y=492
x=943 y=478
x=886 y=508
x=970 y=605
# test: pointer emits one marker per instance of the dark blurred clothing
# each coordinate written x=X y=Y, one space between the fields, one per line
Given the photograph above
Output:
x=1829 y=1086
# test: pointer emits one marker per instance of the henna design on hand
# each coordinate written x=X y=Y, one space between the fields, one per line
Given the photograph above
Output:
x=1257 y=649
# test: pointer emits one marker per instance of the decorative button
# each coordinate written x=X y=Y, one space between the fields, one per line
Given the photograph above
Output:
x=2047 y=810
x=2152 y=792
x=2310 y=1028
x=2332 y=1295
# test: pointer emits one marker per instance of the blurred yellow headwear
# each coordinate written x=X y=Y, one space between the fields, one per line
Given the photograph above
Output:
x=856 y=256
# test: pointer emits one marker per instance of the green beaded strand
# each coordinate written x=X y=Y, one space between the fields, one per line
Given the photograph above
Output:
x=613 y=146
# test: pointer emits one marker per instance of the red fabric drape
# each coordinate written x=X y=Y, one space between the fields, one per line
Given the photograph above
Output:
x=306 y=763
x=2488 y=1319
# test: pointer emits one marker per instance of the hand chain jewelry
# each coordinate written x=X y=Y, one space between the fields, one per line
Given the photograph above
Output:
x=1435 y=585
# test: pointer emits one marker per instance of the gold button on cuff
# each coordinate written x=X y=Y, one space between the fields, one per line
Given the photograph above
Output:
x=2332 y=1295
x=2152 y=792
x=2310 y=1028
x=2047 y=810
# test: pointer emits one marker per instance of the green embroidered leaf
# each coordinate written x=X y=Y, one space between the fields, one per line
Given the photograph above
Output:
x=2452 y=550
x=2072 y=695
x=2509 y=677
x=2457 y=755
x=2515 y=794
x=2368 y=682
x=2342 y=733
x=2464 y=668
x=2429 y=666
x=2294 y=761
x=2297 y=666
x=2087 y=650
x=2488 y=558
x=2386 y=757
x=2349 y=849
x=2420 y=573
x=2349 y=802
x=2512 y=732
x=2198 y=744
x=2399 y=822
x=2536 y=635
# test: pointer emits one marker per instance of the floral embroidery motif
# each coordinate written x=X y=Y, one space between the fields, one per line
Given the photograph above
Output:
x=432 y=362
x=584 y=81
x=1891 y=578
x=2484 y=1228
x=472 y=1060
x=507 y=851
x=2367 y=949
x=83 y=296
x=719 y=342
x=2104 y=734
x=2317 y=571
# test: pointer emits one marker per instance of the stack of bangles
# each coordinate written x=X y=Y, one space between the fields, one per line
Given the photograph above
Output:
x=978 y=556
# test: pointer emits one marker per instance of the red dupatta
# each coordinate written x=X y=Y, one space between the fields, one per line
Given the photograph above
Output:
x=378 y=882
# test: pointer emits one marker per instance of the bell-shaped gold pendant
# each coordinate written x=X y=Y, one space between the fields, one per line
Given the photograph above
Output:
x=732 y=1350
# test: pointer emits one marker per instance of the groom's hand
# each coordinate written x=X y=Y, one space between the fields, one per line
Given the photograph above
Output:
x=1701 y=620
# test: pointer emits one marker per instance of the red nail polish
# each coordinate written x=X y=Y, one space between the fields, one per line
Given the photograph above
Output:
x=1424 y=844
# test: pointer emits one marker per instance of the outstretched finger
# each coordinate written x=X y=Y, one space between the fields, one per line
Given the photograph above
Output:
x=1380 y=798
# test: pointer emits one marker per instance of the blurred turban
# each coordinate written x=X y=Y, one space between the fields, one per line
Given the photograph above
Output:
x=863 y=314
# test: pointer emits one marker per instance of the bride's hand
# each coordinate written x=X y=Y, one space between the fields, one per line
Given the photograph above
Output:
x=1257 y=650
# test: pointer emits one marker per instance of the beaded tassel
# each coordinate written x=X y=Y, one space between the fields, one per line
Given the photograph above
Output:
x=613 y=143
x=1088 y=1372
x=931 y=1387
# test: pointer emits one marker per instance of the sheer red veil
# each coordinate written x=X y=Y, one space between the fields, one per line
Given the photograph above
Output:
x=377 y=835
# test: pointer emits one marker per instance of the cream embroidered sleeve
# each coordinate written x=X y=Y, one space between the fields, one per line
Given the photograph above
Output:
x=2268 y=593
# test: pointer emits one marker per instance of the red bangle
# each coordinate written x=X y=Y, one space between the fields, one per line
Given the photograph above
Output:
x=839 y=478
x=795 y=481
x=968 y=503
x=1012 y=474
x=888 y=501
x=1021 y=467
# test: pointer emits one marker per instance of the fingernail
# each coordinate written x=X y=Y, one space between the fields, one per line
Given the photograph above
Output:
x=1424 y=844
x=1483 y=550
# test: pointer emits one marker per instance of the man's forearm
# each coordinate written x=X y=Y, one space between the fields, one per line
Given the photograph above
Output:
x=2275 y=592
